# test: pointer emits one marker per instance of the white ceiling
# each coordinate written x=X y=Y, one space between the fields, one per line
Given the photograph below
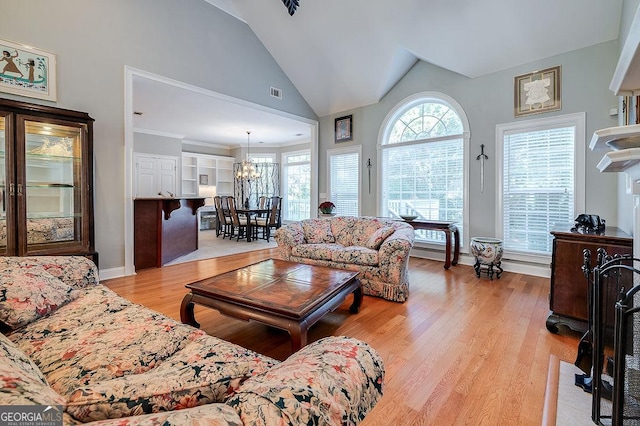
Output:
x=346 y=54
x=177 y=110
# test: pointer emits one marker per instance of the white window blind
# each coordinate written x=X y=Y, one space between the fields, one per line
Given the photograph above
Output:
x=538 y=186
x=424 y=180
x=423 y=157
x=296 y=185
x=344 y=182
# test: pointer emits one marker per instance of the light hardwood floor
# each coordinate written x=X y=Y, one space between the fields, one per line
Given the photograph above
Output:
x=461 y=350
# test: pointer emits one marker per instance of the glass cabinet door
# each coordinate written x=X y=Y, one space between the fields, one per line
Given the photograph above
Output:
x=5 y=230
x=50 y=186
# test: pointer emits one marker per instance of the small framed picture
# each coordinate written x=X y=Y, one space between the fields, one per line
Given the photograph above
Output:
x=27 y=71
x=537 y=92
x=204 y=179
x=344 y=128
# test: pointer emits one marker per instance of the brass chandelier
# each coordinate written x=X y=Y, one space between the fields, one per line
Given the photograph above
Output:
x=247 y=169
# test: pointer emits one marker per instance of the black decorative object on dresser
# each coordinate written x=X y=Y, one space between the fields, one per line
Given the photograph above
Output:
x=46 y=181
x=568 y=300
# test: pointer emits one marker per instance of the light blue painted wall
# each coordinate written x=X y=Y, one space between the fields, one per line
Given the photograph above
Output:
x=187 y=40
x=488 y=101
x=202 y=149
x=154 y=144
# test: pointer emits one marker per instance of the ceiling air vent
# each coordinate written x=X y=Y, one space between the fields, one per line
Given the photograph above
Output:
x=276 y=93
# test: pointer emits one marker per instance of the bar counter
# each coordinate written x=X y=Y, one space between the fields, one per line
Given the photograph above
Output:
x=164 y=229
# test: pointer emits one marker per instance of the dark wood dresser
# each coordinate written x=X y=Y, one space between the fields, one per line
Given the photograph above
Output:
x=568 y=299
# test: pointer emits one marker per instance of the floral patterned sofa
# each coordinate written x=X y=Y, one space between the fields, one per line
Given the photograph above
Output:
x=73 y=344
x=378 y=248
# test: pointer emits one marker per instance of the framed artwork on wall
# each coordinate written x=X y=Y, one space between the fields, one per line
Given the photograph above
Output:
x=537 y=92
x=27 y=71
x=344 y=128
x=204 y=179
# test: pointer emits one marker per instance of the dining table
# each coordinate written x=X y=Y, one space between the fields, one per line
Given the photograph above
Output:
x=249 y=213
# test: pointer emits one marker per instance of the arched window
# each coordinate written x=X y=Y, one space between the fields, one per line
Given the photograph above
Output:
x=423 y=146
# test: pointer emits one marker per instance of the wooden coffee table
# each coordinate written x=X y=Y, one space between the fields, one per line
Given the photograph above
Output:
x=286 y=295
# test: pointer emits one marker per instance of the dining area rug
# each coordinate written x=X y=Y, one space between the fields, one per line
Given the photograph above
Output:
x=210 y=246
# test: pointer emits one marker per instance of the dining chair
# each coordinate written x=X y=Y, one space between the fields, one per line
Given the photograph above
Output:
x=262 y=202
x=223 y=225
x=272 y=220
x=237 y=221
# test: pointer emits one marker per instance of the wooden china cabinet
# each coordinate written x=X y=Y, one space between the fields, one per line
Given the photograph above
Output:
x=46 y=181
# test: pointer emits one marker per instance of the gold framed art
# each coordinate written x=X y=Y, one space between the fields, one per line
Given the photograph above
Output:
x=537 y=92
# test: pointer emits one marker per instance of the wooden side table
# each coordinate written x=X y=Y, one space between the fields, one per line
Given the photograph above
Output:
x=449 y=229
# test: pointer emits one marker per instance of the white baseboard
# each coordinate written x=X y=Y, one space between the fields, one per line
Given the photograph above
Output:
x=535 y=269
x=106 y=274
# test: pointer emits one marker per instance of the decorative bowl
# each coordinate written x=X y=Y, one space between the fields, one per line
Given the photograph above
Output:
x=486 y=250
x=408 y=218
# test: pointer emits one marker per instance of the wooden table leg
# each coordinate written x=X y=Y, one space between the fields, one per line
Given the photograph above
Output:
x=298 y=333
x=357 y=300
x=186 y=311
x=447 y=256
x=456 y=244
x=249 y=230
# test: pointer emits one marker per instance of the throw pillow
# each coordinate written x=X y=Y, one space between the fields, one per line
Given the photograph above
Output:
x=21 y=381
x=377 y=238
x=28 y=294
x=75 y=271
x=318 y=231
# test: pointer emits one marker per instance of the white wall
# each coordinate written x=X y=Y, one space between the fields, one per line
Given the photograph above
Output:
x=187 y=40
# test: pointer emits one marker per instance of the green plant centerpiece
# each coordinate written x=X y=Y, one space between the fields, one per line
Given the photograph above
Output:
x=327 y=208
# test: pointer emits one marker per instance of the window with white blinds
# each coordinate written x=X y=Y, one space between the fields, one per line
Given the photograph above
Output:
x=296 y=185
x=423 y=163
x=425 y=180
x=344 y=180
x=539 y=181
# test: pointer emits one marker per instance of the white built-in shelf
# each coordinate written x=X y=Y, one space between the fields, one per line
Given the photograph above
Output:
x=623 y=143
x=617 y=138
x=619 y=161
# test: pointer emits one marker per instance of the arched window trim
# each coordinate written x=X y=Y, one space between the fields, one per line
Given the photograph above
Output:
x=424 y=97
x=384 y=133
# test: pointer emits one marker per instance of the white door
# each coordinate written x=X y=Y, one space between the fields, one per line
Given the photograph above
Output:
x=167 y=175
x=155 y=175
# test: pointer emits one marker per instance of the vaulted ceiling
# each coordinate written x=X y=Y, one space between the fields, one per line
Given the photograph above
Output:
x=342 y=54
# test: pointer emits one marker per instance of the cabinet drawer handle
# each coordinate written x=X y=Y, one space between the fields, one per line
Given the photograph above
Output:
x=12 y=191
x=19 y=190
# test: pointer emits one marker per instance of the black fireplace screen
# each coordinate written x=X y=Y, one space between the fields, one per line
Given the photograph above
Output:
x=626 y=398
x=614 y=325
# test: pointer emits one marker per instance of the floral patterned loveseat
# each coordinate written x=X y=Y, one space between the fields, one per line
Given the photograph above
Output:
x=378 y=248
x=71 y=344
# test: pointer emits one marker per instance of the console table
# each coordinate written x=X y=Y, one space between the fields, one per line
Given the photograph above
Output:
x=449 y=229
